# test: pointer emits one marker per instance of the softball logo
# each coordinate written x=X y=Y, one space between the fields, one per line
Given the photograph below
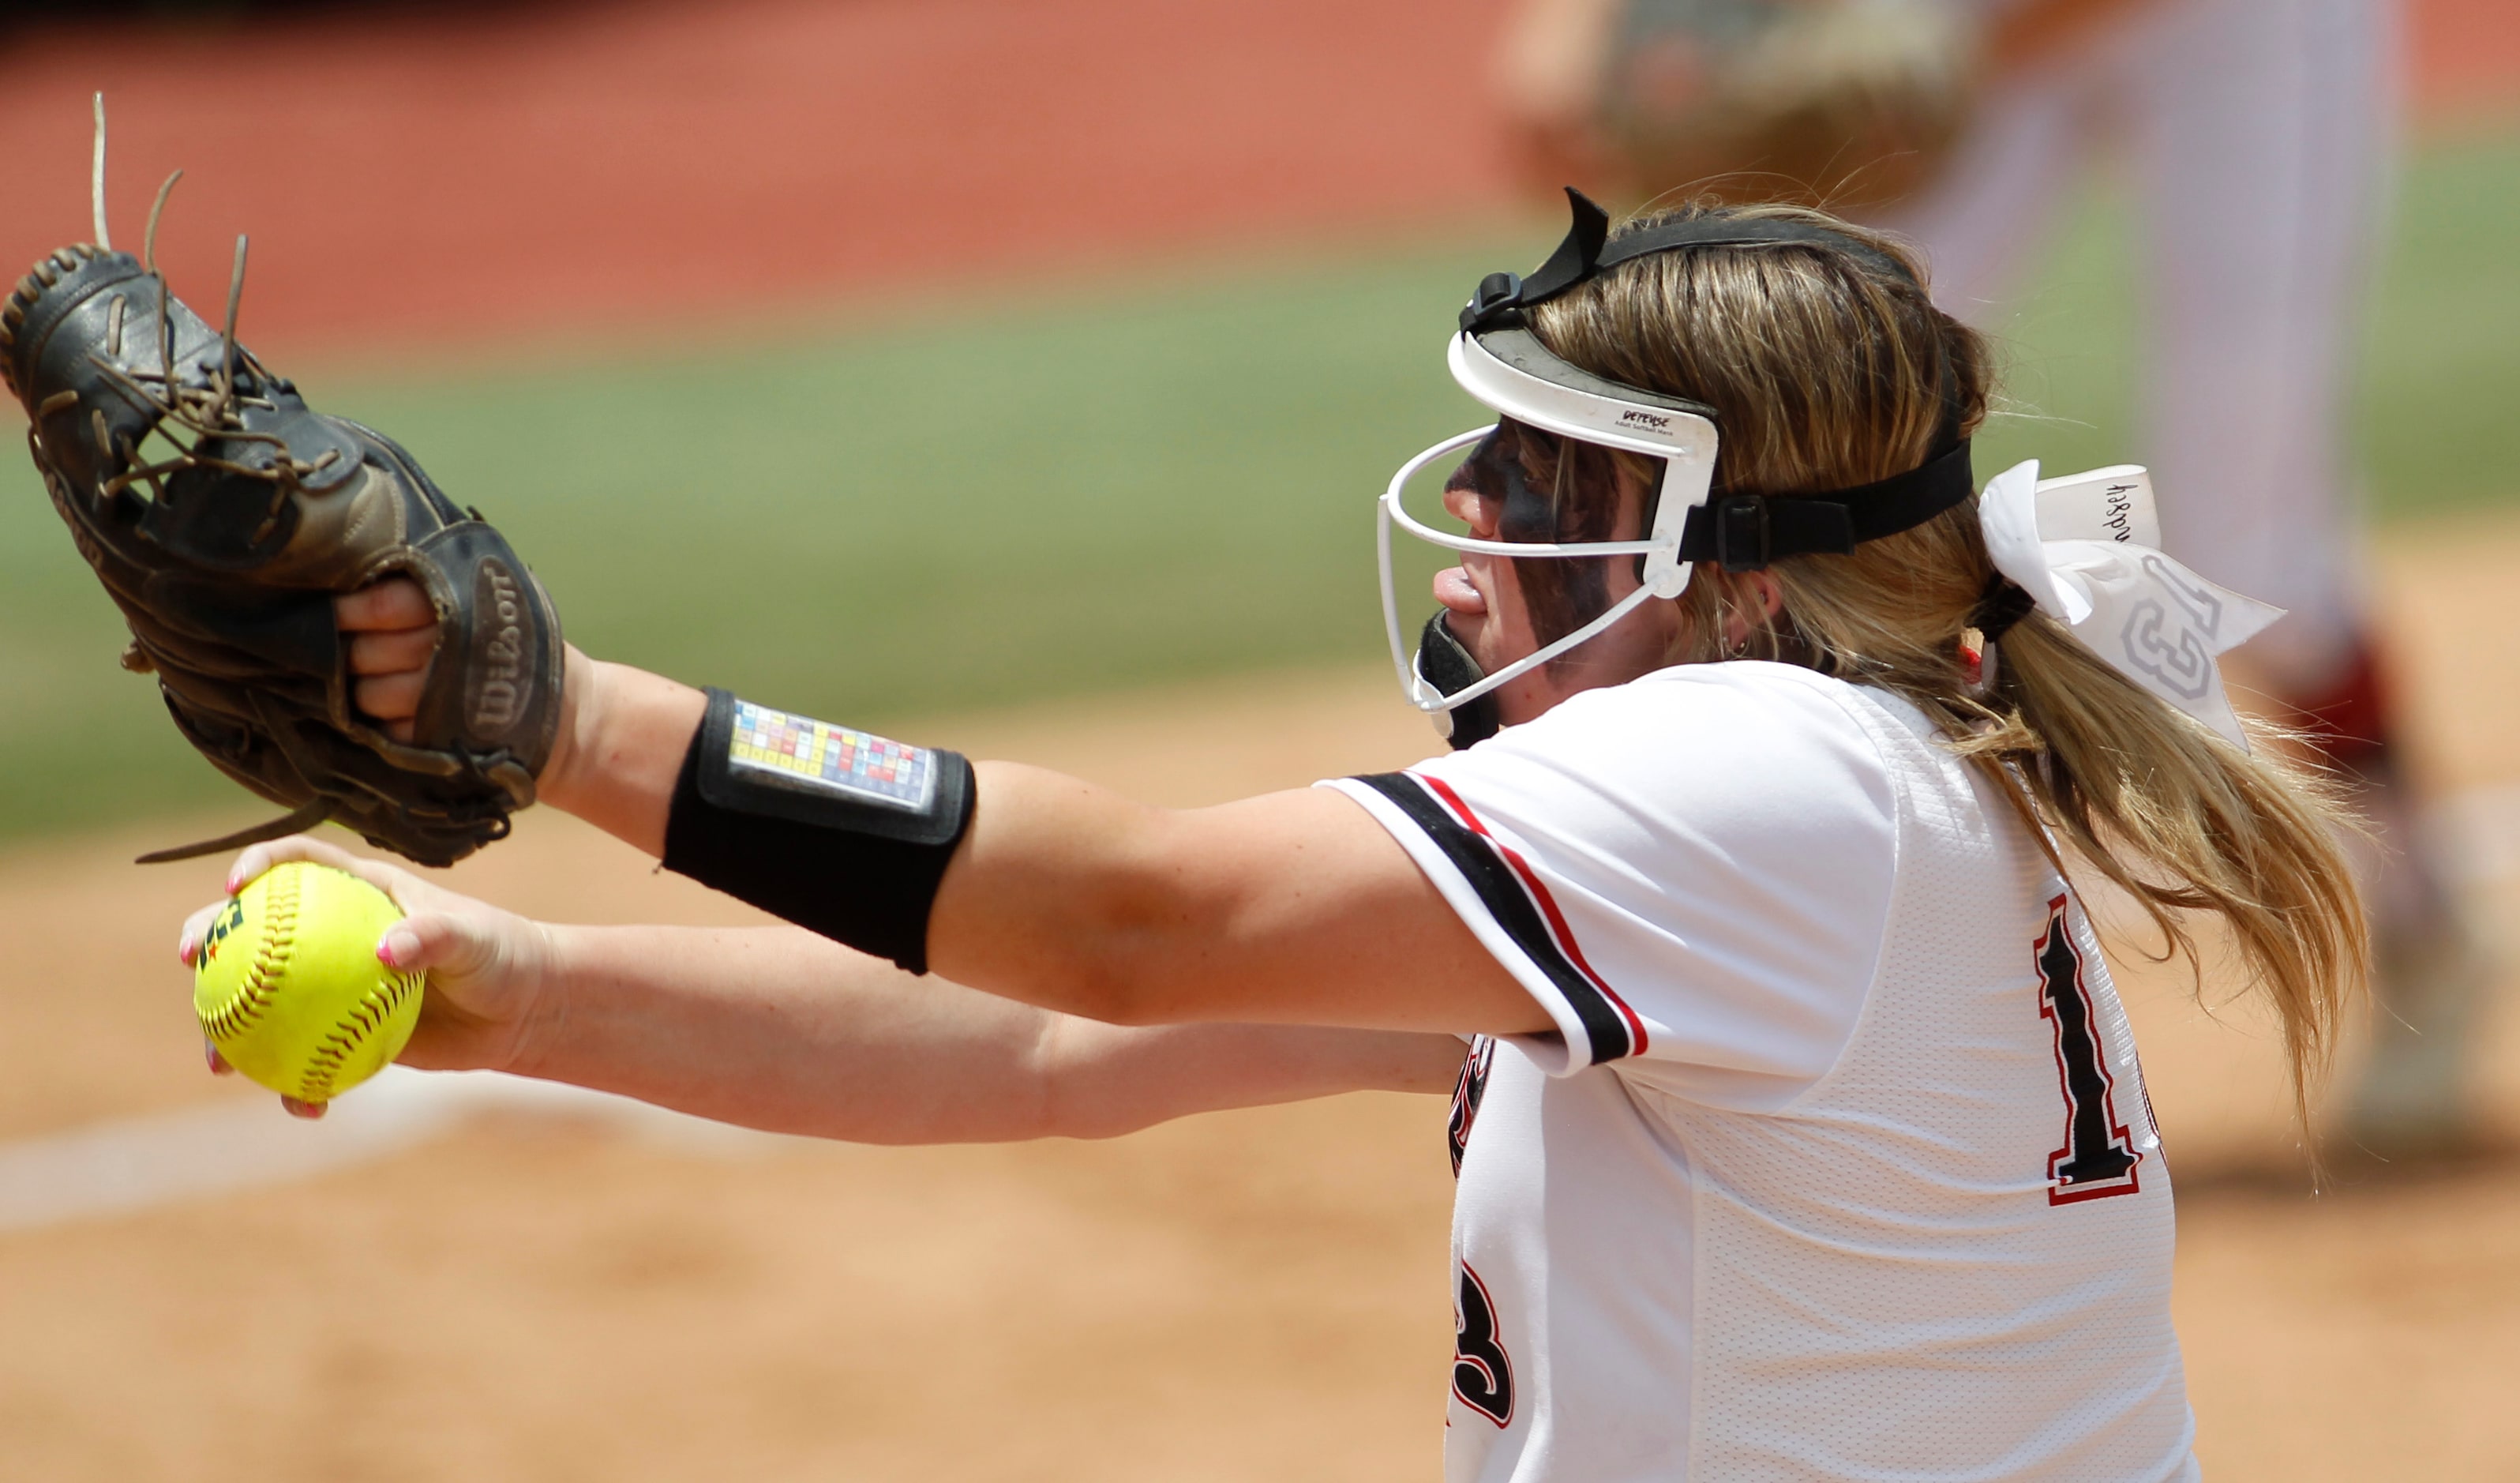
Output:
x=222 y=928
x=288 y=986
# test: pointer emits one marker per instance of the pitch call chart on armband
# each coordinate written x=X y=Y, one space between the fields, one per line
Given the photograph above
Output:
x=775 y=748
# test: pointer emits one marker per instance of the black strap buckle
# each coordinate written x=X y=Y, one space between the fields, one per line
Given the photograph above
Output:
x=1497 y=292
x=1744 y=541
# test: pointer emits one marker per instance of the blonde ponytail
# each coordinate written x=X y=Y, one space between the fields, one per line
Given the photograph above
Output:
x=2182 y=822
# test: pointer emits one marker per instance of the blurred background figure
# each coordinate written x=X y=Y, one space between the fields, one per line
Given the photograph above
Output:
x=2255 y=139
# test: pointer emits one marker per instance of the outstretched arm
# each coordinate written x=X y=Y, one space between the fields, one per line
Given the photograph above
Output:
x=776 y=1028
x=1292 y=908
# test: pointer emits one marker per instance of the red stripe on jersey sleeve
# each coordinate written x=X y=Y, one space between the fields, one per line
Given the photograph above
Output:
x=1531 y=881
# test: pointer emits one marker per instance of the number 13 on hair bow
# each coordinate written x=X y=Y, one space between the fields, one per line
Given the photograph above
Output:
x=2087 y=550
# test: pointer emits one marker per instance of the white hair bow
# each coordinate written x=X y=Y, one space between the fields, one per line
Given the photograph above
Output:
x=2087 y=549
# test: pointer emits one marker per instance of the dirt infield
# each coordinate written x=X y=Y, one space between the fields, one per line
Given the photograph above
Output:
x=1254 y=1296
x=427 y=175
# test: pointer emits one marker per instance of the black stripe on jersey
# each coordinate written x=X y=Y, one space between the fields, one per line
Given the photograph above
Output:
x=1498 y=890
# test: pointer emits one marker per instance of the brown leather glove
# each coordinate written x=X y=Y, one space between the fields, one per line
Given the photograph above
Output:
x=223 y=515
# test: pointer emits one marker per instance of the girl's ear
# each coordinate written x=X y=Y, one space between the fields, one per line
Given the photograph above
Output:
x=1750 y=600
x=1764 y=594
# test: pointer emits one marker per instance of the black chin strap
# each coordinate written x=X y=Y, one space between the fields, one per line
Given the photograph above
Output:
x=1444 y=663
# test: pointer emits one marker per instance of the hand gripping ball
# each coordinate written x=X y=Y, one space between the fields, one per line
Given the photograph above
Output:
x=289 y=987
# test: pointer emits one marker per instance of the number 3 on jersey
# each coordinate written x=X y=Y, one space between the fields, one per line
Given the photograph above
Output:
x=1482 y=1372
x=2100 y=1157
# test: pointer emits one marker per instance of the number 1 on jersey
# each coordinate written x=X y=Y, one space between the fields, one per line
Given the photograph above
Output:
x=2100 y=1157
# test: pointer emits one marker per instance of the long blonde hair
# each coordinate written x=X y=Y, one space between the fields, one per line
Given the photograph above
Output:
x=1826 y=374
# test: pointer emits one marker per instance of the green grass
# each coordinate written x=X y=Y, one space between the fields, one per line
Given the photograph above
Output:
x=1000 y=497
x=2442 y=375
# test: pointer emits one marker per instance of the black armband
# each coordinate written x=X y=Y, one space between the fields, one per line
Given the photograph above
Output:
x=841 y=833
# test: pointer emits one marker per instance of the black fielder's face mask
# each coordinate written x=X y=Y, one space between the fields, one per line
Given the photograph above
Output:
x=1558 y=543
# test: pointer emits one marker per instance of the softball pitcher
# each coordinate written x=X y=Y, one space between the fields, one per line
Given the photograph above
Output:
x=1799 y=1131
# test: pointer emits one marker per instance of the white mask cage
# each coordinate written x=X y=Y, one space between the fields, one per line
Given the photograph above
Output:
x=1509 y=372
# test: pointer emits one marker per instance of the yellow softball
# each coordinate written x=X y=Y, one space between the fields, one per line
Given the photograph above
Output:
x=289 y=987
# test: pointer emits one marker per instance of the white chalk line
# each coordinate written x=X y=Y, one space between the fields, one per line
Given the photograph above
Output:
x=139 y=1163
x=133 y=1164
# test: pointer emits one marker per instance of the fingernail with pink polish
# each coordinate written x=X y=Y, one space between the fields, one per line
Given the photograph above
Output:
x=399 y=948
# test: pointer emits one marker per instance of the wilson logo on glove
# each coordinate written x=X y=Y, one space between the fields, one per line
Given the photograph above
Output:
x=499 y=666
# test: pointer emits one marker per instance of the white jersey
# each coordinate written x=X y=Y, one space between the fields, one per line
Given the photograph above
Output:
x=1838 y=1165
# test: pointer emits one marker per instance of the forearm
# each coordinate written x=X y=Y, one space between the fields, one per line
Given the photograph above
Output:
x=623 y=736
x=778 y=1029
x=1293 y=908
